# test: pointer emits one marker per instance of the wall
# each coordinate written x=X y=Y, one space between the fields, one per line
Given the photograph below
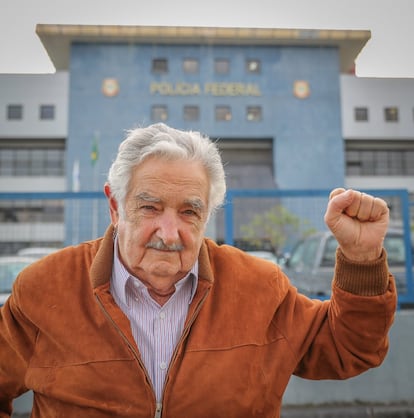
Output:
x=377 y=94
x=296 y=146
x=392 y=382
x=31 y=91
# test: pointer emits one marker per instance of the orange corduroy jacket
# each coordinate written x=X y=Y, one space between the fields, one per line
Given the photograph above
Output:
x=247 y=331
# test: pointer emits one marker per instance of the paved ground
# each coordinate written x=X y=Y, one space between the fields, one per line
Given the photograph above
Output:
x=350 y=411
x=335 y=411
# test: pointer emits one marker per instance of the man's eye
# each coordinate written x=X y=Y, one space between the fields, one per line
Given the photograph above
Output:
x=148 y=207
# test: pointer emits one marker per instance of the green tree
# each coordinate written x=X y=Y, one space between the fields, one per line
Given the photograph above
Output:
x=273 y=226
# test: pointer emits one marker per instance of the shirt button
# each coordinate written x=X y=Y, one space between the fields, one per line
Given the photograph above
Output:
x=163 y=365
x=162 y=315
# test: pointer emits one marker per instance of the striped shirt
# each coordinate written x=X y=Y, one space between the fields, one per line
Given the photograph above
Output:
x=156 y=329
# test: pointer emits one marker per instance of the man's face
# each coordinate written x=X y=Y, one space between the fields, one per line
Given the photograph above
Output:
x=165 y=216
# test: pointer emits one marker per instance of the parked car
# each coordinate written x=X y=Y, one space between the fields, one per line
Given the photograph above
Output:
x=10 y=267
x=266 y=255
x=36 y=252
x=310 y=265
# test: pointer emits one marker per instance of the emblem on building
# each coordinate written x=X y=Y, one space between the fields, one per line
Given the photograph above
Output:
x=301 y=89
x=110 y=87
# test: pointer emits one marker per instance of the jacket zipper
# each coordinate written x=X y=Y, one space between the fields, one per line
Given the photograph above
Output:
x=158 y=410
x=182 y=338
x=158 y=405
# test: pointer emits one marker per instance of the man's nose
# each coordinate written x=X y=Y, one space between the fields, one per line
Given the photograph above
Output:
x=168 y=227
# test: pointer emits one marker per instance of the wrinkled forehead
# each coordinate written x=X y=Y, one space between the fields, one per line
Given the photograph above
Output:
x=159 y=178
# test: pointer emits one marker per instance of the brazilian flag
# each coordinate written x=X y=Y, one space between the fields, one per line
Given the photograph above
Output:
x=95 y=150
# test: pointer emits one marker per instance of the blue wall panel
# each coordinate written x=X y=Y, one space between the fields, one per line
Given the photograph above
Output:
x=308 y=145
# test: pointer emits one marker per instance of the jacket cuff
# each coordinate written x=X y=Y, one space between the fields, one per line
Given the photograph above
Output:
x=361 y=278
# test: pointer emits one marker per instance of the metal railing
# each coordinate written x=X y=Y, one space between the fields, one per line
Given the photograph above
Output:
x=85 y=216
x=310 y=205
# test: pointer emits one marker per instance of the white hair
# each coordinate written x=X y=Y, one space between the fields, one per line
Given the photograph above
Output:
x=172 y=144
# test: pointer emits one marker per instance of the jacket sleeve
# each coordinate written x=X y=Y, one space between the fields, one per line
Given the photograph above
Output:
x=17 y=336
x=348 y=334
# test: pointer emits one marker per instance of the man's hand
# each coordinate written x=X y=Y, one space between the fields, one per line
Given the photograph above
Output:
x=359 y=222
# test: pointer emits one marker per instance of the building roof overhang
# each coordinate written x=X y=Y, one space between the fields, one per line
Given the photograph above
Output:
x=57 y=39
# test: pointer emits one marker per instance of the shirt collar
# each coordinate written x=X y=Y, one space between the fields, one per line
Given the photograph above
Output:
x=121 y=276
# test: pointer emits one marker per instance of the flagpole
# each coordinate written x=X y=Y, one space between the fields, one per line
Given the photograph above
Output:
x=95 y=163
x=75 y=205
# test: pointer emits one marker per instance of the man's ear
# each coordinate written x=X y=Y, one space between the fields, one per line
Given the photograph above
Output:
x=113 y=205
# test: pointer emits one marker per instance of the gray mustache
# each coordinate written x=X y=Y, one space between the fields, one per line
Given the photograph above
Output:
x=160 y=245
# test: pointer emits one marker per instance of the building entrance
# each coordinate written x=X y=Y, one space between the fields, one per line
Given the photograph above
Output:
x=248 y=164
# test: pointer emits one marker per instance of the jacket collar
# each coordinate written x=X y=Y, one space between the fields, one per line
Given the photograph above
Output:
x=101 y=268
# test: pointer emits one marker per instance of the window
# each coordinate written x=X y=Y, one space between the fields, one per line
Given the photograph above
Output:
x=6 y=162
x=47 y=112
x=221 y=66
x=391 y=114
x=383 y=162
x=394 y=244
x=223 y=113
x=254 y=113
x=30 y=161
x=160 y=65
x=22 y=160
x=32 y=211
x=304 y=254
x=253 y=66
x=191 y=113
x=15 y=112
x=159 y=113
x=190 y=65
x=329 y=252
x=361 y=114
x=53 y=164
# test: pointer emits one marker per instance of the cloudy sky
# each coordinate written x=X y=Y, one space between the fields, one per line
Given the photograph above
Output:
x=389 y=53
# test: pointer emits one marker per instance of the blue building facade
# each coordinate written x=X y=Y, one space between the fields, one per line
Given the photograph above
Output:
x=302 y=130
x=283 y=94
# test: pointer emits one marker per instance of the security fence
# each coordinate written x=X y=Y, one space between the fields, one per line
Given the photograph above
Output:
x=277 y=220
x=271 y=220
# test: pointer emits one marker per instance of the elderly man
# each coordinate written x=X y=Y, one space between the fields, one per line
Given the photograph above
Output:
x=155 y=320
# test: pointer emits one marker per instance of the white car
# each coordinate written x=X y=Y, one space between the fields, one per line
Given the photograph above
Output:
x=310 y=265
x=10 y=267
x=266 y=255
x=36 y=252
